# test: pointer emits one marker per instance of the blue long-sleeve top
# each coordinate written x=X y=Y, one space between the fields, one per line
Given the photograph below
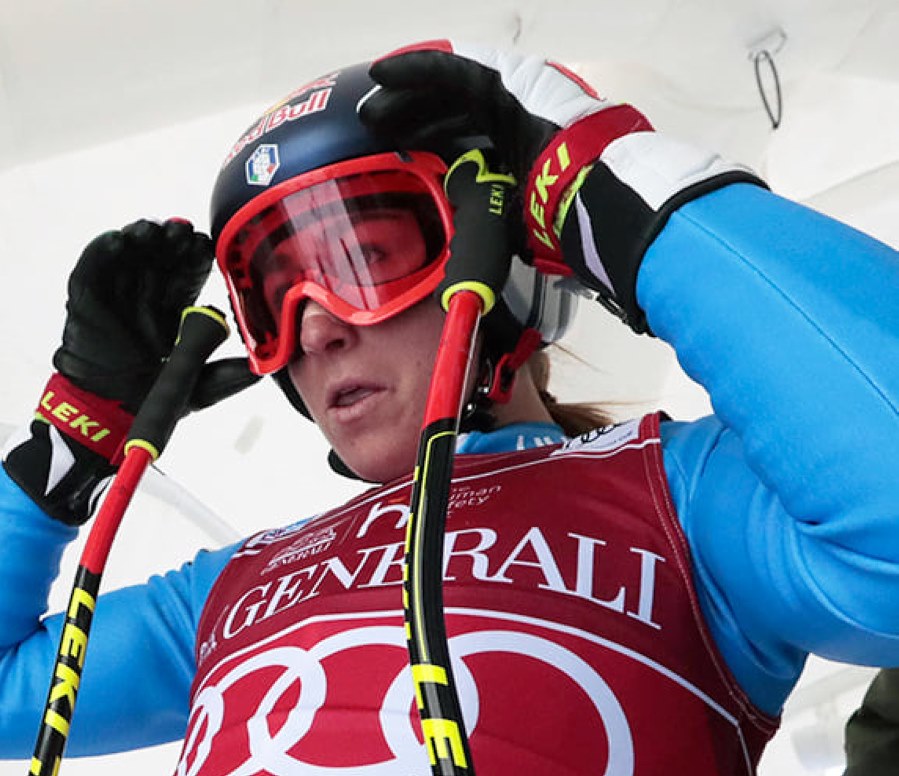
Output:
x=788 y=494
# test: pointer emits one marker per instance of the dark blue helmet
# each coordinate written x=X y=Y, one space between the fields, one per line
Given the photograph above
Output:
x=318 y=125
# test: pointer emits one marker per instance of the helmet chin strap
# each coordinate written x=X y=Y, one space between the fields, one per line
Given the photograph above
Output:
x=339 y=467
x=497 y=378
x=477 y=412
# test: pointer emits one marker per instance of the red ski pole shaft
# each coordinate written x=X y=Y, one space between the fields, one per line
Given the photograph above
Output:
x=477 y=269
x=432 y=676
x=203 y=329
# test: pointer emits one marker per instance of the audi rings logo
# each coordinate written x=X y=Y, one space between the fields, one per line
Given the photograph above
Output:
x=344 y=704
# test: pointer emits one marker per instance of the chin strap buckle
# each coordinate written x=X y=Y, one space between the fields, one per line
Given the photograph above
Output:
x=502 y=380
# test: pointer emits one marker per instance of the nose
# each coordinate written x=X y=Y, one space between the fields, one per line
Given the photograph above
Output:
x=322 y=332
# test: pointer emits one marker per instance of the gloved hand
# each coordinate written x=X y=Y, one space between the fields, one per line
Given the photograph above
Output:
x=599 y=183
x=126 y=295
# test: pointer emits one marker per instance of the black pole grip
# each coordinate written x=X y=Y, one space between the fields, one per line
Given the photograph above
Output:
x=481 y=246
x=203 y=329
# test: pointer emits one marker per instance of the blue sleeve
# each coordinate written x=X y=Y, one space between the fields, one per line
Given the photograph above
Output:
x=789 y=495
x=140 y=658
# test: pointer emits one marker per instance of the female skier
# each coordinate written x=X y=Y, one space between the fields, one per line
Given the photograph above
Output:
x=628 y=599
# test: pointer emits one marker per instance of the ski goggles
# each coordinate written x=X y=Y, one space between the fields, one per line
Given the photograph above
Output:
x=365 y=239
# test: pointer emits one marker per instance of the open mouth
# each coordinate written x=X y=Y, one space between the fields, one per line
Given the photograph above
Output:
x=350 y=396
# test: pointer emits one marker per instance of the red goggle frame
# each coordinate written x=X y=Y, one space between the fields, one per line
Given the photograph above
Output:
x=365 y=239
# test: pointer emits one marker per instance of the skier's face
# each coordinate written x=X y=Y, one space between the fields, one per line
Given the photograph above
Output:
x=366 y=386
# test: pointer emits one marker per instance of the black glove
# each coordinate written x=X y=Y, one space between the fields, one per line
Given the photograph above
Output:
x=126 y=295
x=599 y=183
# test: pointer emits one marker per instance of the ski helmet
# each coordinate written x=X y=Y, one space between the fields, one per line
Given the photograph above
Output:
x=303 y=173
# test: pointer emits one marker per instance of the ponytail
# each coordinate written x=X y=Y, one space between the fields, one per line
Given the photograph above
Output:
x=575 y=418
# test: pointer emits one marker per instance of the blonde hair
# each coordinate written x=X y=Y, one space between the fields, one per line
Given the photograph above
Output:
x=575 y=418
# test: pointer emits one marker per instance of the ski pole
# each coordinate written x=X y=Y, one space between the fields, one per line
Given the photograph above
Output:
x=479 y=264
x=202 y=330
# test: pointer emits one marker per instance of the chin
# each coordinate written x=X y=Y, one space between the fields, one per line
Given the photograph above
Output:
x=378 y=473
x=381 y=465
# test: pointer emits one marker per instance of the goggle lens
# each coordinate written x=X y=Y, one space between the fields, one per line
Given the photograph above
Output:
x=365 y=246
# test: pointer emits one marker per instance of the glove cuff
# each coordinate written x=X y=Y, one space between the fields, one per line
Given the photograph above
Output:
x=67 y=455
x=65 y=479
x=621 y=205
x=100 y=425
x=559 y=168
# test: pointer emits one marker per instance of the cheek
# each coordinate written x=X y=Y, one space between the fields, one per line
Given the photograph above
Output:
x=416 y=370
x=299 y=374
x=427 y=335
x=421 y=357
x=412 y=352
